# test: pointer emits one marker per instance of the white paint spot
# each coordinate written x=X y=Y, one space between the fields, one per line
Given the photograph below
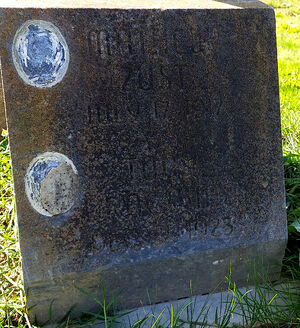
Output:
x=217 y=262
x=51 y=184
x=40 y=54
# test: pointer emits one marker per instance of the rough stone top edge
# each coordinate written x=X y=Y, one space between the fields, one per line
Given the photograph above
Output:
x=134 y=4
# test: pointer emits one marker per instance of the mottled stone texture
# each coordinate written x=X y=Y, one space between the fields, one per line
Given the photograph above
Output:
x=2 y=109
x=171 y=118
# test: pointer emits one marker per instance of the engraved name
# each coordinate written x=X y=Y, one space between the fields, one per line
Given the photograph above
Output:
x=112 y=42
x=106 y=43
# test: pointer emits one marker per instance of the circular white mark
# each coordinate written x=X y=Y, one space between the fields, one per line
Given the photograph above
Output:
x=51 y=184
x=40 y=54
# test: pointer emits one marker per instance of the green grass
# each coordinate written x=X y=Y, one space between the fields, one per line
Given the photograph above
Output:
x=288 y=44
x=264 y=305
x=263 y=309
x=292 y=189
x=12 y=301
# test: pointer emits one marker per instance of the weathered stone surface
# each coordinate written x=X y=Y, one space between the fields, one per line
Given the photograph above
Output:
x=168 y=125
x=2 y=108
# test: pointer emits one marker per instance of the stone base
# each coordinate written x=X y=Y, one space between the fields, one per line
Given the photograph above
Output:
x=164 y=280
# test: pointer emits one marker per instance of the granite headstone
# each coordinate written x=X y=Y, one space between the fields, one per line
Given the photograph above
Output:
x=146 y=146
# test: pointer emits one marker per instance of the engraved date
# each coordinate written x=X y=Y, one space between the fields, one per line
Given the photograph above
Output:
x=216 y=228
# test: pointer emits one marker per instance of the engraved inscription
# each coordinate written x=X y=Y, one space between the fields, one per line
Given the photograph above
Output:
x=127 y=42
x=186 y=42
x=147 y=77
x=198 y=229
x=144 y=78
x=190 y=194
x=145 y=93
x=108 y=43
x=161 y=109
x=129 y=109
x=103 y=112
x=149 y=168
x=100 y=43
x=217 y=227
x=136 y=205
x=223 y=227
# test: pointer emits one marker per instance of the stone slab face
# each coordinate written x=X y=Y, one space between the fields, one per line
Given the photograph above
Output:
x=146 y=147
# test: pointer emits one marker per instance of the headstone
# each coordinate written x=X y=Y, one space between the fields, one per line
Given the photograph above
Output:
x=146 y=147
